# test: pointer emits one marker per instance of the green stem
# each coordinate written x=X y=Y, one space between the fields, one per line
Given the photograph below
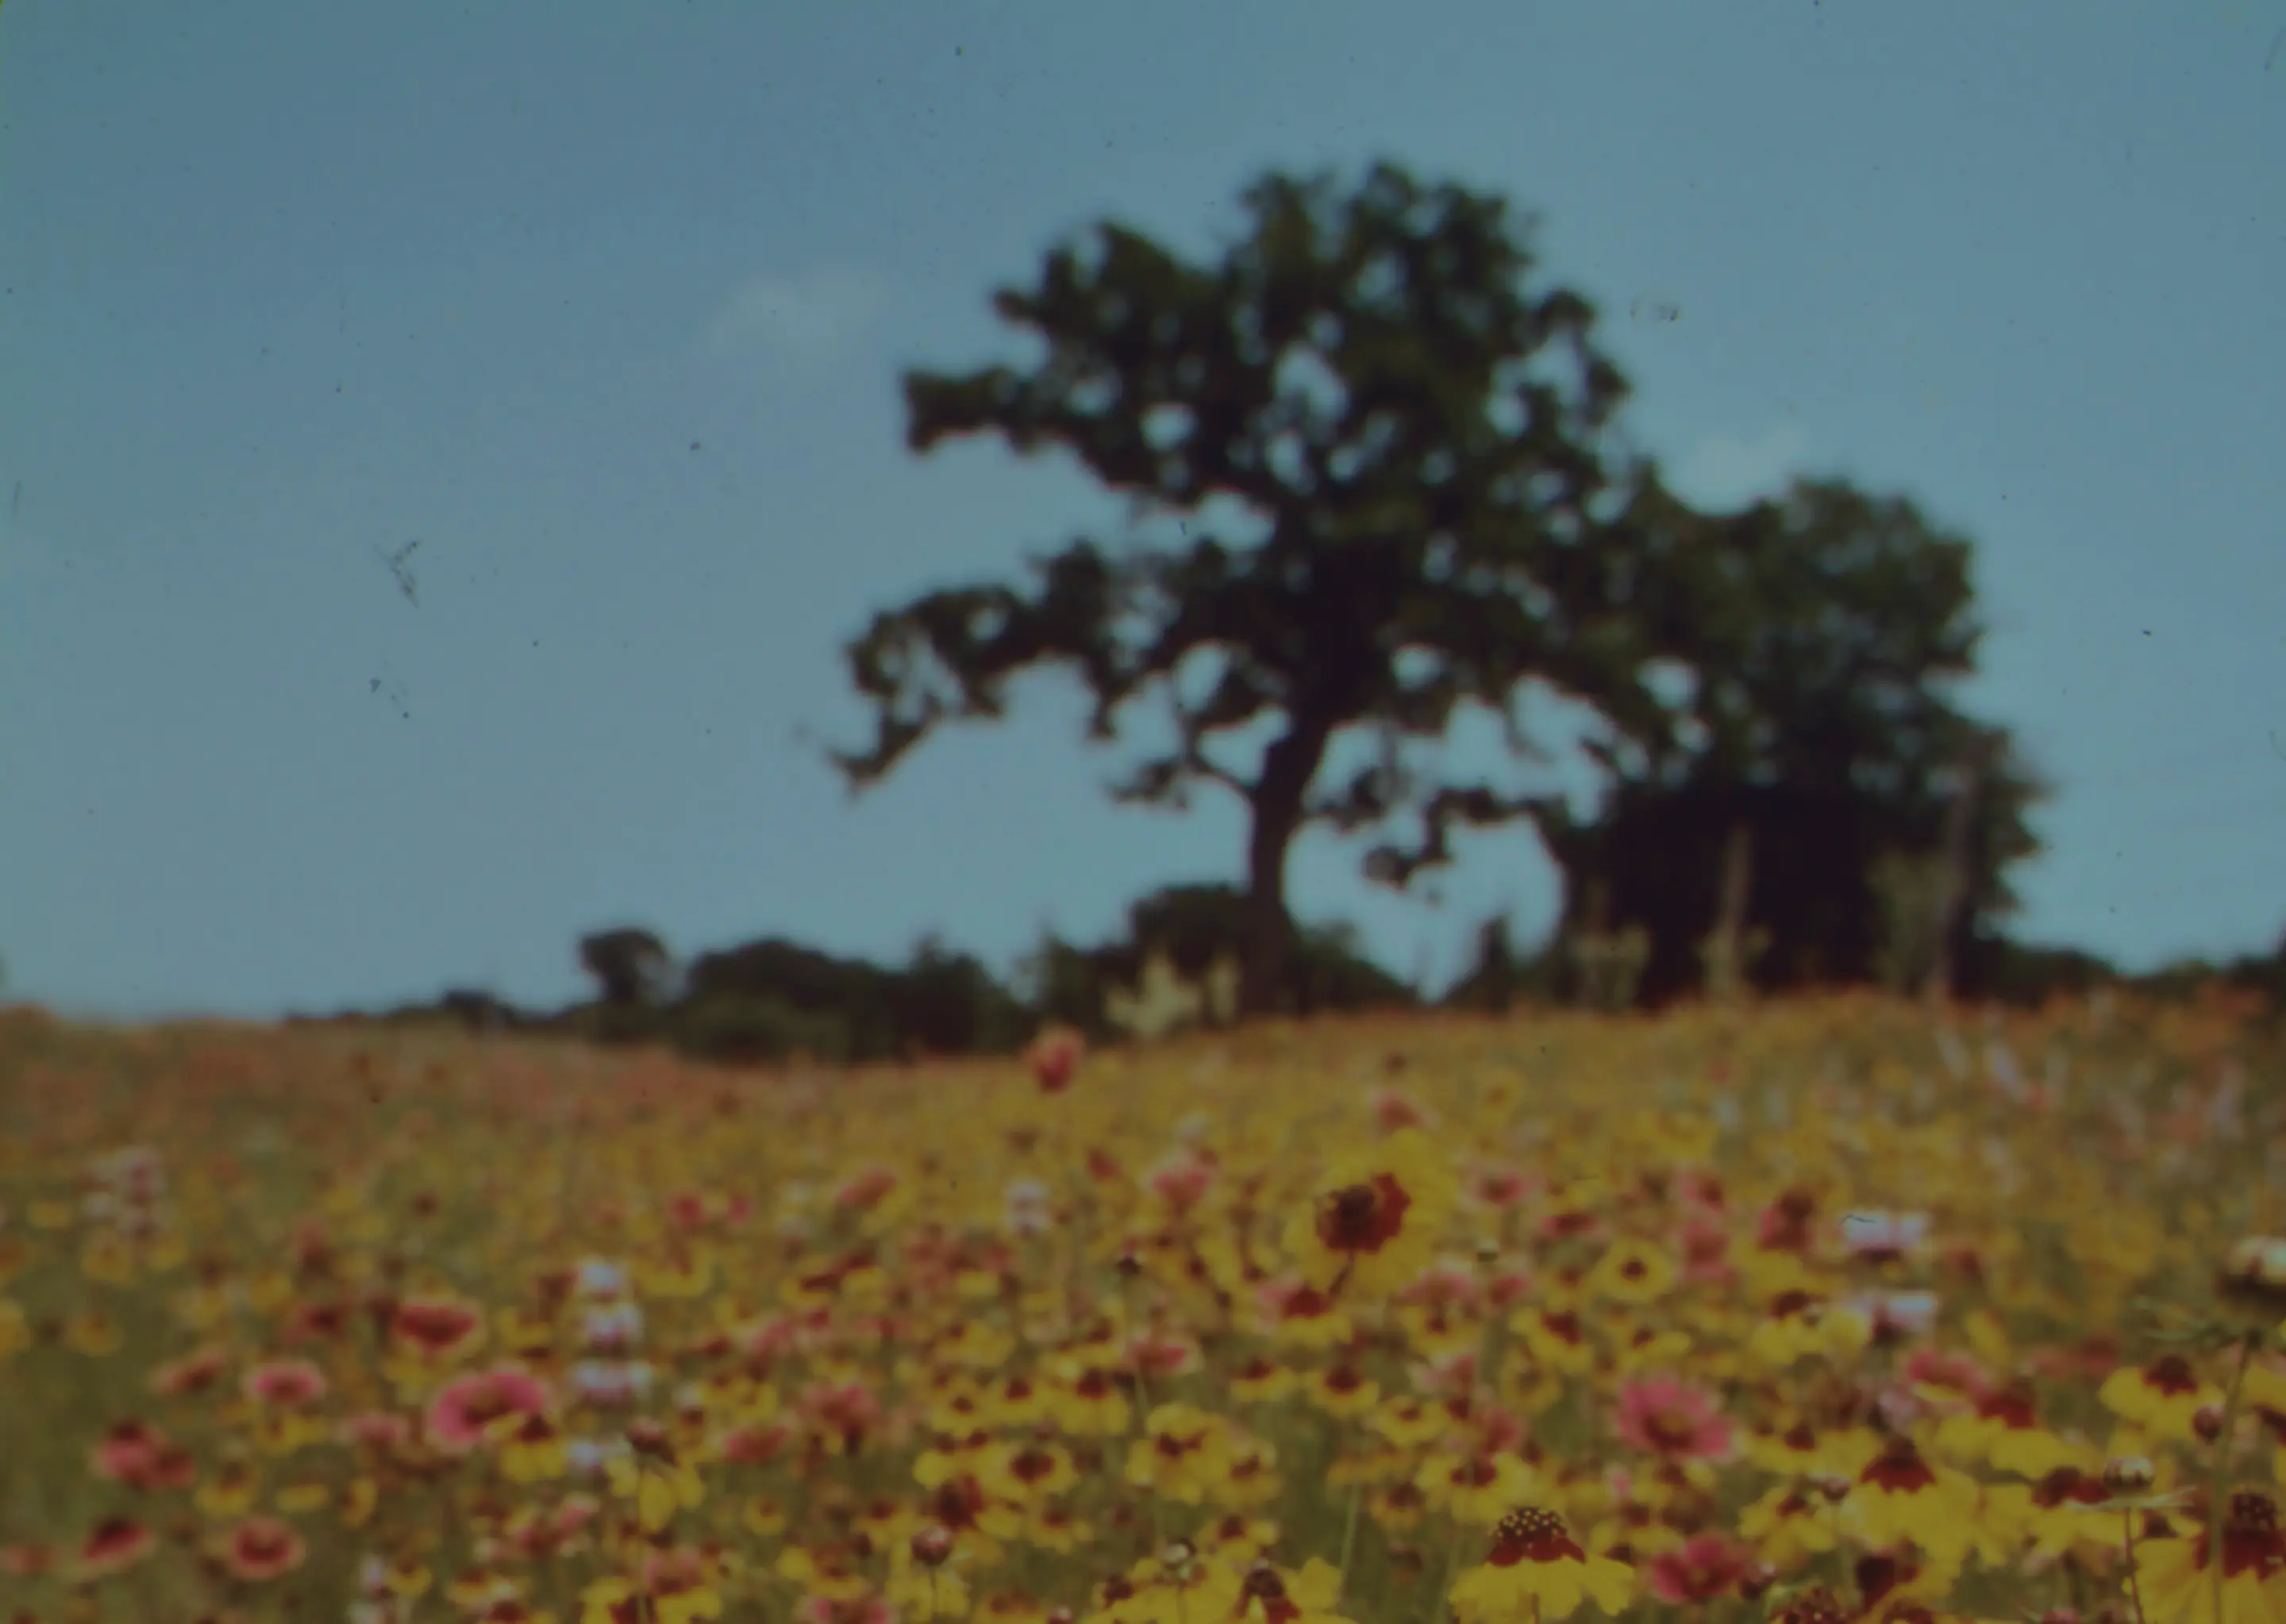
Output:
x=2134 y=1591
x=1440 y=1603
x=1142 y=1399
x=2220 y=1486
x=1349 y=1537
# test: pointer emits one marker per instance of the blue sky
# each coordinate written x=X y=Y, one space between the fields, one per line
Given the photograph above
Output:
x=606 y=305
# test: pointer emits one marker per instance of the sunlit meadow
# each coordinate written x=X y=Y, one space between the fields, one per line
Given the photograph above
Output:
x=1840 y=1310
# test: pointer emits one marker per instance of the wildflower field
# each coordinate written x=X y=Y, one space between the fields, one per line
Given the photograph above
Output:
x=1837 y=1309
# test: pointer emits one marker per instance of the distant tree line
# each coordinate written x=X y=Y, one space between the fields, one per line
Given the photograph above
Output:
x=774 y=1000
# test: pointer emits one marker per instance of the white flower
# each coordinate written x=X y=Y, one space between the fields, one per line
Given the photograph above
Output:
x=611 y=1330
x=1883 y=1232
x=601 y=1278
x=602 y=1383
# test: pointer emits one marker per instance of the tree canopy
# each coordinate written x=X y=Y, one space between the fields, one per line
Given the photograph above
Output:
x=1419 y=440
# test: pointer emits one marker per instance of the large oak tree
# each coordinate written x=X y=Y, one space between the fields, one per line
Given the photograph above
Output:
x=1418 y=438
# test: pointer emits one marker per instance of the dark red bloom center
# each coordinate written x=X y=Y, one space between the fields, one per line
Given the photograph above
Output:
x=1363 y=1217
x=1532 y=1535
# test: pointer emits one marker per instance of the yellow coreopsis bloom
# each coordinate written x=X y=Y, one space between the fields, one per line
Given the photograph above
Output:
x=1180 y=1455
x=1536 y=1569
x=1262 y=1380
x=1631 y=1271
x=1263 y=1593
x=1476 y=1488
x=2178 y=1587
x=658 y=1481
x=2160 y=1396
x=1898 y=1495
x=614 y=1601
x=1788 y=1526
x=1375 y=1217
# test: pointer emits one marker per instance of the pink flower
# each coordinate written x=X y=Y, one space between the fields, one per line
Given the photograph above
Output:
x=1661 y=1416
x=866 y=1188
x=755 y=1444
x=262 y=1548
x=1441 y=1285
x=1705 y=1249
x=1702 y=1569
x=1054 y=1056
x=846 y=1408
x=457 y=1418
x=1508 y=1287
x=288 y=1383
x=1501 y=1188
x=1934 y=1368
x=1393 y=1111
x=117 y=1542
x=126 y=1451
x=1180 y=1183
x=866 y=1610
x=376 y=1429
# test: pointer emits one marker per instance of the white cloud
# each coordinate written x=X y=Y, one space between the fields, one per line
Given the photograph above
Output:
x=808 y=314
x=1728 y=470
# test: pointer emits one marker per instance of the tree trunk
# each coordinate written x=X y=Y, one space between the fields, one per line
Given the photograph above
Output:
x=1287 y=769
x=1727 y=968
x=1955 y=891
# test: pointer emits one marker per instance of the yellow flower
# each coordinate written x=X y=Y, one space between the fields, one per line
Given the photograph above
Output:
x=300 y=1499
x=1409 y=1422
x=1086 y=1402
x=1476 y=1488
x=1558 y=1340
x=1788 y=1526
x=658 y=1482
x=2178 y=1587
x=531 y=1450
x=1025 y=1474
x=1180 y=1454
x=1250 y=1476
x=1262 y=1380
x=229 y=1494
x=15 y=1332
x=2161 y=1397
x=94 y=1333
x=822 y=1575
x=358 y=1502
x=611 y=1601
x=1537 y=1569
x=1341 y=1391
x=1898 y=1495
x=1633 y=1272
x=1375 y=1217
x=1263 y=1593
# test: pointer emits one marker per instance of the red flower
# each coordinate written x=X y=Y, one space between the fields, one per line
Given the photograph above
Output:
x=1661 y=1416
x=262 y=1548
x=289 y=1384
x=1054 y=1057
x=1701 y=1570
x=436 y=1325
x=117 y=1542
x=457 y=1418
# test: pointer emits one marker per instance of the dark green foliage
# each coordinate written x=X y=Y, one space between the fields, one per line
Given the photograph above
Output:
x=1823 y=632
x=1194 y=927
x=1420 y=442
x=630 y=965
x=2027 y=976
x=1500 y=976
